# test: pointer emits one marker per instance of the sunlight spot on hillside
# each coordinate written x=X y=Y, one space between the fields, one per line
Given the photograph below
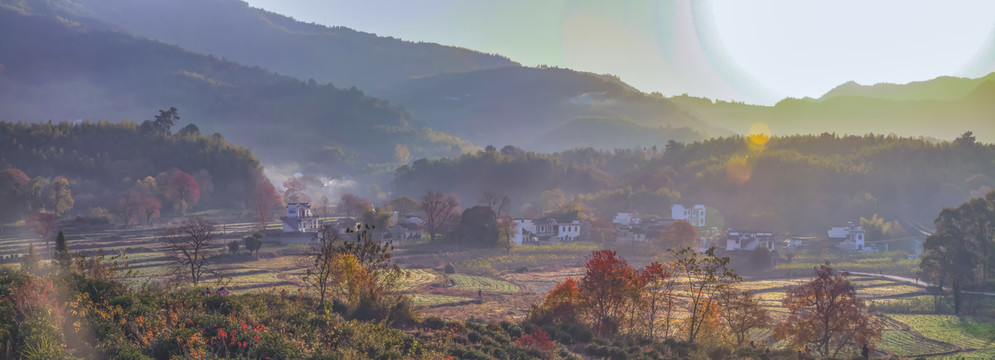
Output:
x=738 y=170
x=759 y=133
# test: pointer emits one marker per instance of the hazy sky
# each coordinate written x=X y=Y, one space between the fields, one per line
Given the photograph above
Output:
x=756 y=51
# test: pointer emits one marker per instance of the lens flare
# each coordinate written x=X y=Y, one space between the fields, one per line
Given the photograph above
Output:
x=759 y=133
x=738 y=170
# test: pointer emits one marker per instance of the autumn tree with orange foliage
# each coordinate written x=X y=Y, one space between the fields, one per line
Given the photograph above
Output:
x=610 y=295
x=827 y=314
x=679 y=235
x=562 y=305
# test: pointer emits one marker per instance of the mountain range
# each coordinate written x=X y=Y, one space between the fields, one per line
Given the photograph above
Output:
x=339 y=101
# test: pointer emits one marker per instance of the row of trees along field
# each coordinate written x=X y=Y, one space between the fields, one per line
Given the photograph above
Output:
x=694 y=298
x=960 y=254
x=134 y=170
x=794 y=183
x=353 y=307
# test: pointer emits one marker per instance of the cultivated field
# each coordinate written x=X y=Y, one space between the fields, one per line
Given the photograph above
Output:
x=498 y=284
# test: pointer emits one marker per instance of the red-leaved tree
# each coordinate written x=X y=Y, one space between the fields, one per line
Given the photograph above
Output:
x=182 y=190
x=264 y=200
x=134 y=205
x=607 y=285
x=295 y=191
x=537 y=340
x=44 y=224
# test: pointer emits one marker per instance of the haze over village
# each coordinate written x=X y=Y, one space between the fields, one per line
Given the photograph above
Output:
x=567 y=179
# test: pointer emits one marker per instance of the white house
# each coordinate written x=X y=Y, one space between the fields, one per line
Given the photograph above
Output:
x=523 y=228
x=853 y=235
x=694 y=215
x=568 y=232
x=299 y=218
x=626 y=219
x=529 y=230
x=743 y=240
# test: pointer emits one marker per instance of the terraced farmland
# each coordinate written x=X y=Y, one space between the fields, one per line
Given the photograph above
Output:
x=907 y=344
x=474 y=283
x=418 y=277
x=436 y=299
x=963 y=331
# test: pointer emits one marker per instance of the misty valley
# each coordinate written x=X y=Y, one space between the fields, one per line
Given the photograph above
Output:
x=211 y=180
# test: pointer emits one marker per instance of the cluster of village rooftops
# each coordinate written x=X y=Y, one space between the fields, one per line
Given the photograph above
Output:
x=299 y=224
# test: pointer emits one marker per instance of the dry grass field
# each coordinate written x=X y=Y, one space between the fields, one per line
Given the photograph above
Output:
x=509 y=282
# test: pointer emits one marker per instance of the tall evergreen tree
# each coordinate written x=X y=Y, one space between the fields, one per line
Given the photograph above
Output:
x=62 y=257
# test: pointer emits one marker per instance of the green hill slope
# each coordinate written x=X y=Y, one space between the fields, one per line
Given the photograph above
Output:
x=521 y=106
x=68 y=70
x=941 y=88
x=942 y=108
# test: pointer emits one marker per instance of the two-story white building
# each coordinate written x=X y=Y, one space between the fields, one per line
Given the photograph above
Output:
x=299 y=218
x=694 y=215
x=853 y=236
x=568 y=232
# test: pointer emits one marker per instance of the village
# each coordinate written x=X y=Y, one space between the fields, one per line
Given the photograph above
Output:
x=300 y=224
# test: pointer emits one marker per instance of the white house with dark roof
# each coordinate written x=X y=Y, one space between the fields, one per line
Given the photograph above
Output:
x=853 y=236
x=694 y=215
x=299 y=218
x=568 y=232
x=748 y=240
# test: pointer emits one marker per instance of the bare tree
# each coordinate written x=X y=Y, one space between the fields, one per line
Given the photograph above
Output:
x=705 y=277
x=441 y=211
x=320 y=262
x=494 y=201
x=742 y=312
x=191 y=245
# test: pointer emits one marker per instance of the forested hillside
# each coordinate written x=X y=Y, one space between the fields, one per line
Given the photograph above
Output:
x=102 y=161
x=233 y=30
x=796 y=183
x=68 y=71
x=942 y=108
x=525 y=106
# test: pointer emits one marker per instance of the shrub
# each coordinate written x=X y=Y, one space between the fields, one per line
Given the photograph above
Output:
x=450 y=269
x=536 y=340
x=274 y=346
x=578 y=331
x=433 y=322
x=226 y=305
x=511 y=328
x=558 y=334
x=340 y=307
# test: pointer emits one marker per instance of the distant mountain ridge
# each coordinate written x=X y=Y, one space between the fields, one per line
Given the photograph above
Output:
x=940 y=88
x=508 y=104
x=941 y=108
x=74 y=68
x=232 y=29
x=523 y=106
